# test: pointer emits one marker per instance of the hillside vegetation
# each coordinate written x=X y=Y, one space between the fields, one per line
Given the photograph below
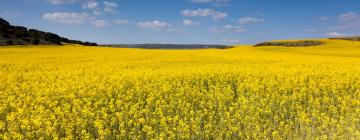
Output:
x=298 y=43
x=78 y=92
x=354 y=38
x=18 y=35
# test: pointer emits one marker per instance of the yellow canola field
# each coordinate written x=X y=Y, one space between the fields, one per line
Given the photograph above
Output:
x=77 y=92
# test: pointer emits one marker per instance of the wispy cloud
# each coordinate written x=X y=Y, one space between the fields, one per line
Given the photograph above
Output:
x=61 y=1
x=216 y=15
x=250 y=20
x=100 y=23
x=91 y=5
x=98 y=13
x=66 y=17
x=158 y=25
x=214 y=2
x=348 y=21
x=110 y=7
x=232 y=40
x=75 y=18
x=188 y=22
x=121 y=21
x=335 y=34
x=228 y=28
x=348 y=16
x=155 y=25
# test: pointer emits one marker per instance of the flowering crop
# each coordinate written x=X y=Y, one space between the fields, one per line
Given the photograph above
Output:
x=78 y=92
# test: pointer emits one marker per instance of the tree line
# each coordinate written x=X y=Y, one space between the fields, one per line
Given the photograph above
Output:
x=18 y=35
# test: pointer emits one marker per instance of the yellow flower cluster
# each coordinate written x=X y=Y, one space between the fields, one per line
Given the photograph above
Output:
x=76 y=92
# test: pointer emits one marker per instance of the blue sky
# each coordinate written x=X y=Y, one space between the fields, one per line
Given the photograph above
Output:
x=186 y=21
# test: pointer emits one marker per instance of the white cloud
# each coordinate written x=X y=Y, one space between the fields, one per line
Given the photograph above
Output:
x=216 y=15
x=100 y=23
x=188 y=22
x=228 y=28
x=95 y=6
x=232 y=40
x=110 y=4
x=197 y=13
x=216 y=29
x=215 y=2
x=159 y=26
x=61 y=1
x=75 y=18
x=65 y=17
x=202 y=1
x=237 y=29
x=110 y=7
x=91 y=5
x=219 y=15
x=335 y=34
x=175 y=30
x=250 y=20
x=348 y=16
x=98 y=13
x=121 y=21
x=348 y=21
x=156 y=25
x=232 y=27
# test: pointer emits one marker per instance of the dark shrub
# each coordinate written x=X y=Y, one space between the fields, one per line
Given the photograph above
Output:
x=75 y=42
x=33 y=33
x=53 y=38
x=4 y=23
x=87 y=44
x=305 y=43
x=35 y=41
x=4 y=34
x=93 y=44
x=9 y=42
x=20 y=34
x=20 y=29
x=10 y=32
x=63 y=39
x=37 y=34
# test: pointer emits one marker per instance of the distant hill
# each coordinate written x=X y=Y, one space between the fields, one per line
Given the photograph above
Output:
x=18 y=35
x=301 y=43
x=169 y=46
x=353 y=38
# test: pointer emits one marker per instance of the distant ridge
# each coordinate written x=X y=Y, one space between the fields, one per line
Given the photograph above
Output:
x=351 y=38
x=18 y=35
x=302 y=43
x=169 y=46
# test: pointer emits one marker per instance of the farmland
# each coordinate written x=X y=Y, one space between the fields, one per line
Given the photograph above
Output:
x=245 y=92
